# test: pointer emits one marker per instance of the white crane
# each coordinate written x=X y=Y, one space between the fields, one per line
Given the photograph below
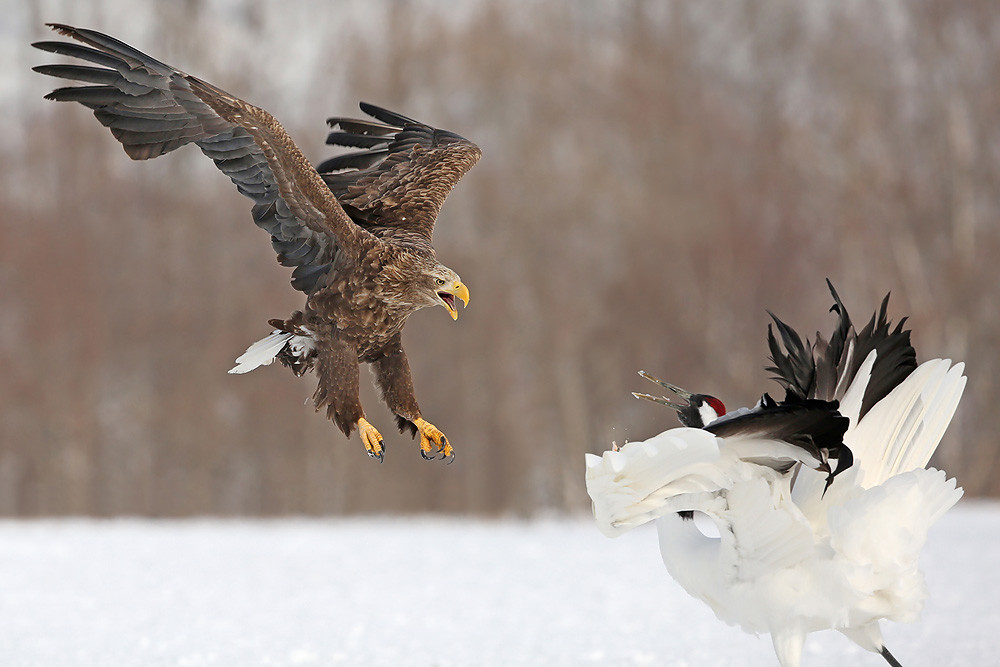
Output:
x=752 y=520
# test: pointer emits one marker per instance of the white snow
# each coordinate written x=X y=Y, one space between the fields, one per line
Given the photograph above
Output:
x=424 y=591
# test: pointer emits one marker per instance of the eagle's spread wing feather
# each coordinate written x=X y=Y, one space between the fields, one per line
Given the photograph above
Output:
x=396 y=186
x=153 y=108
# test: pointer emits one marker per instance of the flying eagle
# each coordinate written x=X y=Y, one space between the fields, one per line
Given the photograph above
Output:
x=357 y=229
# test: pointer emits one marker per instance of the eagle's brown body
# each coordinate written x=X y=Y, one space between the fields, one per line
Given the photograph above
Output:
x=357 y=229
x=362 y=316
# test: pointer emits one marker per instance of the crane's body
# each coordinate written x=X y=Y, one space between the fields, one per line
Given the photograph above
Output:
x=753 y=527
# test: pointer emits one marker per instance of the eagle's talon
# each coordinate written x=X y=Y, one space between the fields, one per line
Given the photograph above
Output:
x=433 y=442
x=447 y=451
x=371 y=439
x=425 y=456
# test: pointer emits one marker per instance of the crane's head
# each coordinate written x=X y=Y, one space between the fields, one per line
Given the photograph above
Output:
x=693 y=410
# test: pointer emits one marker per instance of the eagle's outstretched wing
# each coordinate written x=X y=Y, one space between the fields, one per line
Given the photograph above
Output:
x=153 y=108
x=396 y=186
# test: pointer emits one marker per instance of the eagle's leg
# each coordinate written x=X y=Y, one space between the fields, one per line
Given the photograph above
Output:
x=337 y=389
x=392 y=375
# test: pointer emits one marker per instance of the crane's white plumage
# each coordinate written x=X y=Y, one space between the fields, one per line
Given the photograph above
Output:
x=790 y=559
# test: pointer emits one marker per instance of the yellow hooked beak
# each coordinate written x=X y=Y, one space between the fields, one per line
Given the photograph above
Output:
x=447 y=296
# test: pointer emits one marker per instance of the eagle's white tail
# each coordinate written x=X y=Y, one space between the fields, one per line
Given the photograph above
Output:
x=262 y=352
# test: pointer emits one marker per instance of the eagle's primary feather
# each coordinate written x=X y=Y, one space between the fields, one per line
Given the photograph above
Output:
x=356 y=231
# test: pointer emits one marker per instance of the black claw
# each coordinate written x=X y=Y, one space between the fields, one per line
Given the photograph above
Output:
x=381 y=454
x=450 y=458
x=425 y=456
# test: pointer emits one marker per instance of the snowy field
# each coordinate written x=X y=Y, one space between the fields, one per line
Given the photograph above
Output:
x=424 y=591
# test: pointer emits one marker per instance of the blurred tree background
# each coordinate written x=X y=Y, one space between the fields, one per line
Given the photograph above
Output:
x=655 y=175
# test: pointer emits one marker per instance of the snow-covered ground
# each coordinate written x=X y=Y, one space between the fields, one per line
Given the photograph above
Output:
x=424 y=591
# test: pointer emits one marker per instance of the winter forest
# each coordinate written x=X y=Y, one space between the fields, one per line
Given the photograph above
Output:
x=655 y=175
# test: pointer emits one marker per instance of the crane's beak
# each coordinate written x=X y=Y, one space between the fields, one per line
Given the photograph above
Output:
x=448 y=296
x=663 y=400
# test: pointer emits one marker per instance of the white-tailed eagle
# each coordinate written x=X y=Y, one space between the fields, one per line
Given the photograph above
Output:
x=357 y=229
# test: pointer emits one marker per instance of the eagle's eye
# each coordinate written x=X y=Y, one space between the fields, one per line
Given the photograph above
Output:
x=440 y=281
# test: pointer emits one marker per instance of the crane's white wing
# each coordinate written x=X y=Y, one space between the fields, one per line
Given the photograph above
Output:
x=899 y=433
x=643 y=480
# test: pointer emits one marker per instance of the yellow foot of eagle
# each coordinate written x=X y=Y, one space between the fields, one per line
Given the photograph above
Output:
x=371 y=439
x=433 y=441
